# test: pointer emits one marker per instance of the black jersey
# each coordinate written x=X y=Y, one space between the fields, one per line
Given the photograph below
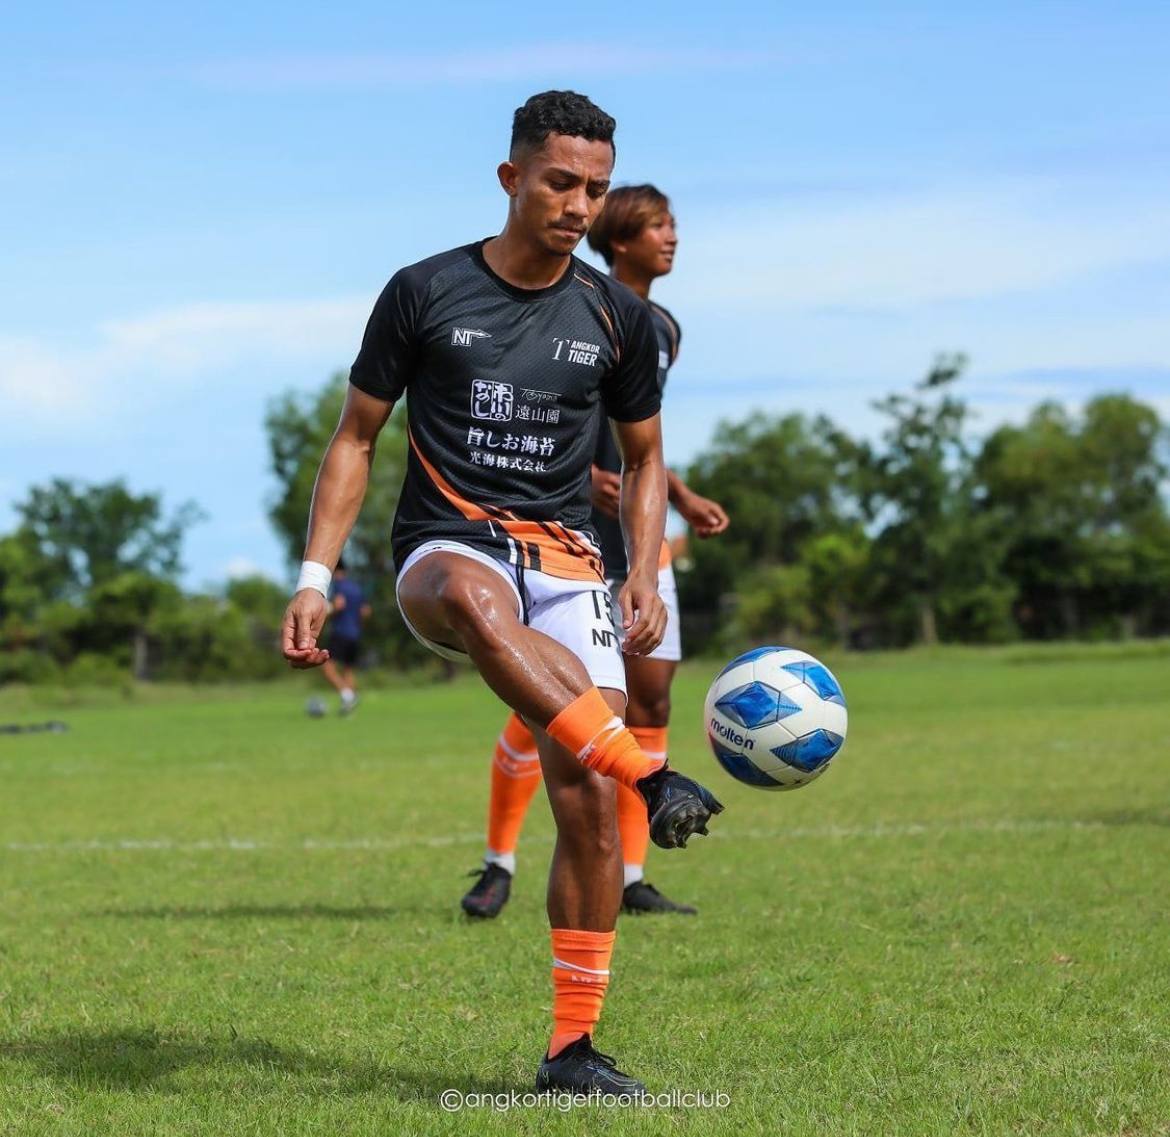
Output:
x=505 y=389
x=608 y=457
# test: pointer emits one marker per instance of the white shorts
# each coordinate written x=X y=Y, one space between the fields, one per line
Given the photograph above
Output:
x=575 y=613
x=671 y=647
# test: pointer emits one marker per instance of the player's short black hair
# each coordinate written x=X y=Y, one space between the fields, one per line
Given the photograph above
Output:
x=559 y=112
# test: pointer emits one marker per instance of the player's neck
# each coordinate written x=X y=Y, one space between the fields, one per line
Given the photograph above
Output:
x=521 y=263
x=633 y=279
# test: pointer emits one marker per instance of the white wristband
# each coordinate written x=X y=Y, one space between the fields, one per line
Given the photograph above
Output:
x=314 y=575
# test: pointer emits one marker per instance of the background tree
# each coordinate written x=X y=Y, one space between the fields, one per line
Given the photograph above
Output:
x=785 y=481
x=87 y=535
x=1081 y=501
x=299 y=428
x=89 y=566
x=914 y=492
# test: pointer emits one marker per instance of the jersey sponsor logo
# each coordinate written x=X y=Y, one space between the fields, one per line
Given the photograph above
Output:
x=465 y=337
x=531 y=395
x=491 y=400
x=481 y=444
x=576 y=351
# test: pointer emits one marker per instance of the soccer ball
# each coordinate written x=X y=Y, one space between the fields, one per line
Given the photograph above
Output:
x=775 y=717
x=315 y=708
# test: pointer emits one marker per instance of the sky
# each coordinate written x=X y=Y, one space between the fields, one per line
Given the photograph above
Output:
x=200 y=203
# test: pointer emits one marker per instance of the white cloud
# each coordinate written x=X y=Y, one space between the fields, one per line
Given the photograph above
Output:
x=888 y=253
x=414 y=69
x=827 y=301
x=239 y=567
x=196 y=336
x=149 y=356
x=36 y=380
x=858 y=296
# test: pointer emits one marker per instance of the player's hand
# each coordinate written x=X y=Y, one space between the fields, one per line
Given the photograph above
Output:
x=643 y=615
x=707 y=518
x=607 y=491
x=304 y=618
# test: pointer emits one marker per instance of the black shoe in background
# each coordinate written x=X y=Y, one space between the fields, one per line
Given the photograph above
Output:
x=489 y=894
x=642 y=897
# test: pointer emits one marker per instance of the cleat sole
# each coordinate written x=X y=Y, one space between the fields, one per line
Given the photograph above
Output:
x=673 y=830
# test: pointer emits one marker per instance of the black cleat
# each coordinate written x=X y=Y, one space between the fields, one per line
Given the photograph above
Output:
x=489 y=894
x=642 y=897
x=678 y=806
x=579 y=1068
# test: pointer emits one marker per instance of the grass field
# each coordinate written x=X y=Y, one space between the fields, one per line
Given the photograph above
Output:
x=221 y=917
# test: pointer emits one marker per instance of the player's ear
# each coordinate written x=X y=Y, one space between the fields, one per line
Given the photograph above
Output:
x=509 y=175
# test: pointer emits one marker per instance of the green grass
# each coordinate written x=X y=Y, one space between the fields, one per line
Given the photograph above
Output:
x=221 y=917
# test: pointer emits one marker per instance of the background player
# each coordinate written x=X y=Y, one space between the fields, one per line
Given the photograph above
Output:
x=636 y=236
x=507 y=348
x=349 y=608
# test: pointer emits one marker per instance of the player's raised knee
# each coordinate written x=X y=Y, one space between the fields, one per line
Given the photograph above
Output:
x=471 y=605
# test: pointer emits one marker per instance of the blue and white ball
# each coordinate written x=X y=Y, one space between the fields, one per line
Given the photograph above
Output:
x=775 y=718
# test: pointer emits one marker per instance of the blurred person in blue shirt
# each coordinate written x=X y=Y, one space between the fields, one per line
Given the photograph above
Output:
x=348 y=608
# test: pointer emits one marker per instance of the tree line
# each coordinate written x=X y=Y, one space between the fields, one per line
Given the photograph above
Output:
x=1053 y=528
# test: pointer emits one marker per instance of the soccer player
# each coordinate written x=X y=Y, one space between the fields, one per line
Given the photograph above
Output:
x=349 y=609
x=505 y=348
x=636 y=236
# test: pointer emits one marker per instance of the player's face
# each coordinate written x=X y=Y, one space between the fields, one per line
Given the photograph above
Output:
x=652 y=251
x=558 y=191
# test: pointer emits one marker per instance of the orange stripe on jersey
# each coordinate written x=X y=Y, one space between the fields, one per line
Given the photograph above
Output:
x=613 y=339
x=556 y=557
x=664 y=555
x=546 y=546
x=469 y=509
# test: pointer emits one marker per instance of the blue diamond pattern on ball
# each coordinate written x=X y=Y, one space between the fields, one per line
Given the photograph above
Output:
x=754 y=704
x=740 y=768
x=818 y=678
x=747 y=657
x=810 y=752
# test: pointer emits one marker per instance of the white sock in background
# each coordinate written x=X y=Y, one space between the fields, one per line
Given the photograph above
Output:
x=506 y=861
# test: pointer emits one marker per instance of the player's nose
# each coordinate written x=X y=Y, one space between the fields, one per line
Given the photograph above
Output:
x=577 y=204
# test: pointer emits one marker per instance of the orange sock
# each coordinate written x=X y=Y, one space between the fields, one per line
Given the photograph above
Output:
x=580 y=975
x=590 y=730
x=633 y=824
x=652 y=739
x=515 y=778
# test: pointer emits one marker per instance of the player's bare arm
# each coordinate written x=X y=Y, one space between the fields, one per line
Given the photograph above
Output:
x=643 y=517
x=706 y=517
x=606 y=491
x=337 y=498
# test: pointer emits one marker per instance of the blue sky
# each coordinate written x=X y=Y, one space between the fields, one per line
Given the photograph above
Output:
x=200 y=205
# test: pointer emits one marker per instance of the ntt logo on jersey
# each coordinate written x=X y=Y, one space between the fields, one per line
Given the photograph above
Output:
x=465 y=337
x=491 y=400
